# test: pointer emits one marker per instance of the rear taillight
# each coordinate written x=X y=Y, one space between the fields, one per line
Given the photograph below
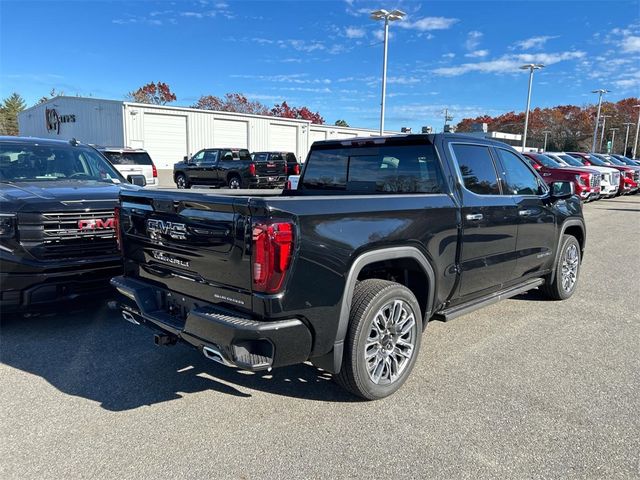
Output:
x=288 y=184
x=271 y=257
x=296 y=169
x=116 y=226
x=252 y=169
x=154 y=170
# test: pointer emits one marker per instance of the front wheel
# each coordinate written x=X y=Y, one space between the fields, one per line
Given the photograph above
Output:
x=181 y=181
x=383 y=340
x=567 y=270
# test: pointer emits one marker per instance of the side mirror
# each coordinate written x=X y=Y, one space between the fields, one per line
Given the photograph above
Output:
x=139 y=180
x=562 y=190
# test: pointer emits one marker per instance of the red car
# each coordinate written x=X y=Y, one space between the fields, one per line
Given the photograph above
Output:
x=627 y=183
x=586 y=182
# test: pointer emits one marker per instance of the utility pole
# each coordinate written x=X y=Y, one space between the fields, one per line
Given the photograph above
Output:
x=447 y=118
x=626 y=138
x=604 y=122
x=613 y=139
x=600 y=92
x=546 y=132
x=635 y=145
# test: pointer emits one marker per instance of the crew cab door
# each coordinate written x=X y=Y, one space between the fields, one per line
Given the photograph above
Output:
x=210 y=169
x=536 y=222
x=489 y=223
x=195 y=168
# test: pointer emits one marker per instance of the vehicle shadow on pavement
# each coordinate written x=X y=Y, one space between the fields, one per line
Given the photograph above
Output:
x=96 y=355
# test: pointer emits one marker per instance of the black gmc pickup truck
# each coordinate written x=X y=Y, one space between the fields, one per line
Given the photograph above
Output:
x=382 y=235
x=230 y=167
x=57 y=236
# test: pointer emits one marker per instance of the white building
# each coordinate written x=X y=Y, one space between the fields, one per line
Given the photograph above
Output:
x=169 y=133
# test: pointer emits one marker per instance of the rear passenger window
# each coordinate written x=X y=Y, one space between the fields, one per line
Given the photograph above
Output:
x=520 y=180
x=477 y=168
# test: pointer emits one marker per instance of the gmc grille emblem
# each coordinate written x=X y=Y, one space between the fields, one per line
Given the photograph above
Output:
x=157 y=228
x=97 y=224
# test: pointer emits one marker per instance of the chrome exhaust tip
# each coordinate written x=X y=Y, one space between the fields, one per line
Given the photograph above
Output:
x=214 y=354
x=129 y=317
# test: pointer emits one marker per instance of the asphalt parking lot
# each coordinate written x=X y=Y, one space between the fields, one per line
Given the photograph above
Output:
x=524 y=388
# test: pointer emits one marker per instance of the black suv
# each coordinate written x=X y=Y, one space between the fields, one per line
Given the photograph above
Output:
x=293 y=166
x=57 y=224
x=231 y=168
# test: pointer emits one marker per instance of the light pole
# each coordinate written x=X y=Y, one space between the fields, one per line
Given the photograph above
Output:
x=600 y=93
x=613 y=139
x=391 y=16
x=604 y=123
x=635 y=145
x=626 y=138
x=546 y=132
x=531 y=67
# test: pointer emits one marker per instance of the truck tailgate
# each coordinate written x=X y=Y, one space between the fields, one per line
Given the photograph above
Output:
x=198 y=245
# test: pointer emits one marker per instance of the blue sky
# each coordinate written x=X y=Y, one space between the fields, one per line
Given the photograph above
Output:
x=327 y=55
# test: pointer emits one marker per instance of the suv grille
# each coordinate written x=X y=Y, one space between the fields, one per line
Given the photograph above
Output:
x=595 y=180
x=62 y=235
x=616 y=178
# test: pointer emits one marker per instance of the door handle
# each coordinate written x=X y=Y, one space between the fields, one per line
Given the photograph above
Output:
x=474 y=216
x=525 y=213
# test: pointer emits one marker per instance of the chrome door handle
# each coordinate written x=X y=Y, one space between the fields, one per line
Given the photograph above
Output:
x=525 y=213
x=474 y=216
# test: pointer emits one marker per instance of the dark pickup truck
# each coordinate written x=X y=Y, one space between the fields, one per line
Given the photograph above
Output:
x=382 y=235
x=231 y=168
x=57 y=235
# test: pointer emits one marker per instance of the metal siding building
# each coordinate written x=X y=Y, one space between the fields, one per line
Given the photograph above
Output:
x=169 y=133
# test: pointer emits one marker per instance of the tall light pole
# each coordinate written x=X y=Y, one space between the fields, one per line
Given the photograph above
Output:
x=546 y=132
x=604 y=124
x=391 y=16
x=531 y=67
x=600 y=93
x=613 y=139
x=626 y=138
x=635 y=145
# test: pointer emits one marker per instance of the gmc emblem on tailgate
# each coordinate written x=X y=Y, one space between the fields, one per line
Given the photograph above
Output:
x=157 y=228
x=97 y=224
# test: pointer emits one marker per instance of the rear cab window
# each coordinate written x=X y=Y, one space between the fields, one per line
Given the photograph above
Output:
x=370 y=168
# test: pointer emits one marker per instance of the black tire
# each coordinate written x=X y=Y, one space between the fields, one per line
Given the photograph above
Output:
x=556 y=289
x=369 y=298
x=234 y=182
x=181 y=181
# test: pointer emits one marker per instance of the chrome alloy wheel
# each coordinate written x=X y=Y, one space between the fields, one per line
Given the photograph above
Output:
x=570 y=263
x=391 y=342
x=181 y=182
x=234 y=182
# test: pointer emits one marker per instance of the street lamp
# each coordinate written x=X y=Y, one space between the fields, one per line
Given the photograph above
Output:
x=635 y=145
x=531 y=67
x=626 y=137
x=546 y=132
x=604 y=123
x=391 y=16
x=613 y=139
x=600 y=93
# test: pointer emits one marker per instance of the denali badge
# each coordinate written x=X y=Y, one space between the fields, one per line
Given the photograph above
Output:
x=97 y=224
x=165 y=257
x=177 y=231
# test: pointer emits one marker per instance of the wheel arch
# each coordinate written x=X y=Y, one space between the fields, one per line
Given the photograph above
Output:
x=575 y=228
x=333 y=360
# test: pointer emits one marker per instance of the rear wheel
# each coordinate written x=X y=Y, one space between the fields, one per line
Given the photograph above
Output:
x=234 y=182
x=383 y=340
x=567 y=270
x=181 y=181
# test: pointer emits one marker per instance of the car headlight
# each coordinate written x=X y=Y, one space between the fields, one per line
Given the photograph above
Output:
x=7 y=225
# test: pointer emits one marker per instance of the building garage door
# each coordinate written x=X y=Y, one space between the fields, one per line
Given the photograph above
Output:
x=230 y=133
x=317 y=136
x=165 y=138
x=283 y=138
x=345 y=135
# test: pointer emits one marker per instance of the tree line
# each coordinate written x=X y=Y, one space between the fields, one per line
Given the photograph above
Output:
x=569 y=127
